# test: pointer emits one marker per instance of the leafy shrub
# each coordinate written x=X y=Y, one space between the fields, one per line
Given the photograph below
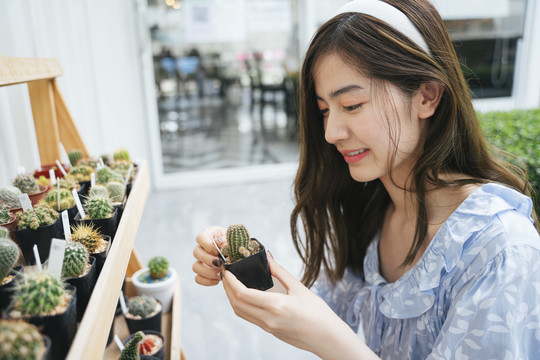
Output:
x=517 y=132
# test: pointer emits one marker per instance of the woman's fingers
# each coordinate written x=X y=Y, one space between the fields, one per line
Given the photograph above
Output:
x=201 y=255
x=205 y=241
x=285 y=278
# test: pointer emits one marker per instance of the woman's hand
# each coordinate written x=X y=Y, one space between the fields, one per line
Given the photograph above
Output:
x=298 y=317
x=208 y=267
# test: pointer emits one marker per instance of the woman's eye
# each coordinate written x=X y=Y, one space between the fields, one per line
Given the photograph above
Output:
x=352 y=107
x=323 y=112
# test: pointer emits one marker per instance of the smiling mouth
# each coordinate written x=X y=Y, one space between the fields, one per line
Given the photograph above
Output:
x=357 y=152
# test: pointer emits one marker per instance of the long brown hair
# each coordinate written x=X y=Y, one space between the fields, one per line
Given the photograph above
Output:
x=340 y=216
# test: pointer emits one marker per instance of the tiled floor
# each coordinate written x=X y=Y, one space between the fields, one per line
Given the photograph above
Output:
x=170 y=222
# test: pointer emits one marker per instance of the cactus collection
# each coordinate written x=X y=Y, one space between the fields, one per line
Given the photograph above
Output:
x=20 y=340
x=87 y=235
x=75 y=259
x=82 y=172
x=9 y=253
x=74 y=156
x=9 y=196
x=26 y=183
x=69 y=182
x=41 y=215
x=98 y=207
x=158 y=266
x=116 y=191
x=38 y=293
x=131 y=349
x=142 y=306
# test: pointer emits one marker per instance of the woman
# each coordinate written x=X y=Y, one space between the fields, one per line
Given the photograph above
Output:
x=415 y=232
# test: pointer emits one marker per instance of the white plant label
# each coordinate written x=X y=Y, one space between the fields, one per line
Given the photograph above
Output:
x=61 y=168
x=118 y=342
x=126 y=180
x=92 y=179
x=65 y=224
x=25 y=202
x=21 y=170
x=38 y=259
x=101 y=162
x=58 y=194
x=123 y=302
x=78 y=203
x=52 y=176
x=56 y=257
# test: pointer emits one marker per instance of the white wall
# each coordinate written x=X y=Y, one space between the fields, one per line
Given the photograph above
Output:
x=96 y=43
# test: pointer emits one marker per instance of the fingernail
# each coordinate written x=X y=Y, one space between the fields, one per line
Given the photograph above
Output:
x=215 y=262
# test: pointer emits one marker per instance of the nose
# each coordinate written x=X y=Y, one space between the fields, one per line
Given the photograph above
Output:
x=334 y=130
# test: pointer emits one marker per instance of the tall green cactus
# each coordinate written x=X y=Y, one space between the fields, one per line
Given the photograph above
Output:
x=131 y=350
x=26 y=183
x=38 y=293
x=158 y=267
x=75 y=259
x=142 y=306
x=98 y=207
x=238 y=242
x=9 y=195
x=74 y=156
x=116 y=191
x=9 y=253
x=20 y=340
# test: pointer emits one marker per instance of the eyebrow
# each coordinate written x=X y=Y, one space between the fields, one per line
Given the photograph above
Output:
x=343 y=90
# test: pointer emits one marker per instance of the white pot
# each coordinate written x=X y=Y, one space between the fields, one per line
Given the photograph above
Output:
x=162 y=290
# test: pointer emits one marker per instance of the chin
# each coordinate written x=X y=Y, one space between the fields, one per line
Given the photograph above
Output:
x=361 y=176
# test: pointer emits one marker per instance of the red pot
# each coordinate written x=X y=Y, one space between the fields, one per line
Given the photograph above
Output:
x=45 y=170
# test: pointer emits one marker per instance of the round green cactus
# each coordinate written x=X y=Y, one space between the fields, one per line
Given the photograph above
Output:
x=131 y=350
x=38 y=293
x=98 y=207
x=4 y=233
x=69 y=182
x=82 y=172
x=20 y=340
x=106 y=174
x=93 y=163
x=87 y=235
x=116 y=191
x=238 y=242
x=121 y=154
x=75 y=259
x=66 y=199
x=158 y=266
x=142 y=306
x=74 y=156
x=41 y=215
x=4 y=214
x=9 y=196
x=9 y=253
x=98 y=189
x=26 y=183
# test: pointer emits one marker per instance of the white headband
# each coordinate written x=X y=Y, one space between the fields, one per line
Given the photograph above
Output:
x=390 y=15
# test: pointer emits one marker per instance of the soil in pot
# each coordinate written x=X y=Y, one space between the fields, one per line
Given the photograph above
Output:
x=104 y=226
x=6 y=288
x=253 y=271
x=151 y=322
x=85 y=285
x=41 y=237
x=153 y=343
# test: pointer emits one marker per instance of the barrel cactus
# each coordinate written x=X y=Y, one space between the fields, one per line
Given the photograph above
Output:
x=9 y=196
x=121 y=154
x=98 y=190
x=158 y=267
x=106 y=174
x=75 y=259
x=26 y=183
x=20 y=340
x=122 y=167
x=82 y=172
x=4 y=214
x=69 y=182
x=238 y=242
x=41 y=215
x=66 y=199
x=87 y=235
x=74 y=156
x=116 y=191
x=9 y=253
x=142 y=306
x=4 y=233
x=131 y=349
x=43 y=181
x=98 y=207
x=38 y=293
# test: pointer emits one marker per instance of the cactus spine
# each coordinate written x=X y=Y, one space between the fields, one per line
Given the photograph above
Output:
x=98 y=189
x=75 y=259
x=9 y=195
x=26 y=183
x=38 y=293
x=158 y=266
x=238 y=242
x=9 y=253
x=74 y=156
x=106 y=174
x=142 y=306
x=20 y=340
x=98 y=207
x=116 y=191
x=87 y=235
x=82 y=172
x=131 y=350
x=40 y=215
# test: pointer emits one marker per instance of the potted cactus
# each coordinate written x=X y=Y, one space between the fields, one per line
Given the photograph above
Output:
x=74 y=156
x=7 y=220
x=20 y=340
x=149 y=344
x=9 y=196
x=79 y=270
x=82 y=174
x=143 y=313
x=49 y=303
x=9 y=254
x=246 y=258
x=101 y=213
x=36 y=227
x=158 y=280
x=28 y=185
x=96 y=244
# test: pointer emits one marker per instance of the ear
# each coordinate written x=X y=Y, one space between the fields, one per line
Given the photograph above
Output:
x=428 y=98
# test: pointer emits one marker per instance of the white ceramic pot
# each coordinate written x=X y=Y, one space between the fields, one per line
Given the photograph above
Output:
x=162 y=290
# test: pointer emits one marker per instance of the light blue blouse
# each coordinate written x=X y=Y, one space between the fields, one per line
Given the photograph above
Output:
x=474 y=294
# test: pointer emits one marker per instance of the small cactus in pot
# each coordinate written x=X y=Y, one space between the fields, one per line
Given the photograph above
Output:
x=106 y=174
x=5 y=216
x=98 y=207
x=66 y=199
x=75 y=259
x=131 y=349
x=82 y=172
x=158 y=266
x=74 y=156
x=239 y=244
x=40 y=215
x=9 y=254
x=116 y=191
x=20 y=340
x=88 y=236
x=26 y=183
x=9 y=196
x=121 y=154
x=98 y=189
x=38 y=294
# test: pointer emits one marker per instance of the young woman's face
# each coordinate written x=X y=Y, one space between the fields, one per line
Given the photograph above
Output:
x=365 y=129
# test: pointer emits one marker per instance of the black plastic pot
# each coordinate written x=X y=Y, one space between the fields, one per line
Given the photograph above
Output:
x=253 y=271
x=148 y=323
x=85 y=285
x=41 y=237
x=101 y=256
x=120 y=209
x=6 y=290
x=61 y=328
x=85 y=187
x=104 y=226
x=47 y=355
x=161 y=353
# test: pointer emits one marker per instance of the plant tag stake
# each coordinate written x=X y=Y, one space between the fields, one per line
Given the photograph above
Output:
x=92 y=179
x=79 y=205
x=58 y=194
x=52 y=176
x=126 y=180
x=38 y=259
x=118 y=342
x=65 y=223
x=21 y=170
x=221 y=257
x=56 y=257
x=123 y=302
x=25 y=202
x=101 y=162
x=61 y=168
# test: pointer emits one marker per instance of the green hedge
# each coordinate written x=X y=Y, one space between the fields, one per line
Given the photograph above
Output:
x=517 y=132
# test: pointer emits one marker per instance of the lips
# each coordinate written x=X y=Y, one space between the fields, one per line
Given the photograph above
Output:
x=352 y=156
